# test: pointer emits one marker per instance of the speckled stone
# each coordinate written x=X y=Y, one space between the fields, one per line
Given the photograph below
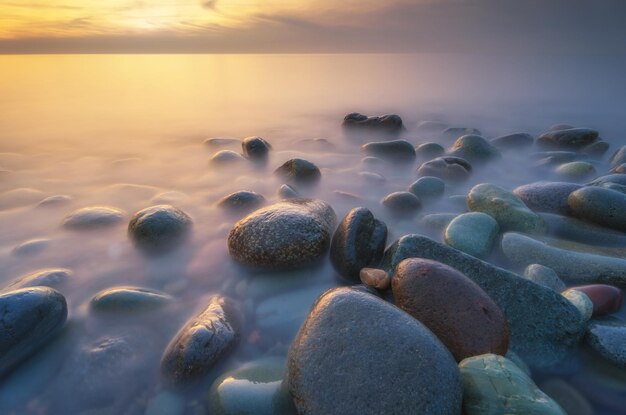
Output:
x=600 y=206
x=606 y=299
x=159 y=228
x=514 y=141
x=473 y=233
x=375 y=278
x=403 y=204
x=574 y=138
x=255 y=148
x=299 y=171
x=474 y=148
x=547 y=196
x=454 y=169
x=576 y=170
x=428 y=187
x=607 y=337
x=581 y=301
x=578 y=231
x=242 y=201
x=545 y=276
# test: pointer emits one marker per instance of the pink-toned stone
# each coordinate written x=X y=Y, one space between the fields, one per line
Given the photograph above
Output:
x=376 y=278
x=606 y=299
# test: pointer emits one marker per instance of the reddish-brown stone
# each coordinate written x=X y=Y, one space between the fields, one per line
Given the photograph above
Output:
x=452 y=306
x=606 y=299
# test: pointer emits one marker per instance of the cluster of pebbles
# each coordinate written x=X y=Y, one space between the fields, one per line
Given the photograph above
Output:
x=476 y=317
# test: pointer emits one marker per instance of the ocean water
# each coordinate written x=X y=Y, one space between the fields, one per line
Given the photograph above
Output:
x=128 y=131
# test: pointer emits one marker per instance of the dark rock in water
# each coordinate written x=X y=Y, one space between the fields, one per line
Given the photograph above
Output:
x=358 y=242
x=607 y=337
x=606 y=299
x=596 y=150
x=93 y=217
x=344 y=335
x=373 y=178
x=575 y=138
x=579 y=231
x=453 y=169
x=575 y=267
x=396 y=150
x=375 y=278
x=52 y=277
x=389 y=123
x=601 y=206
x=242 y=202
x=452 y=133
x=474 y=148
x=545 y=276
x=473 y=233
x=428 y=187
x=429 y=151
x=543 y=326
x=299 y=171
x=289 y=234
x=255 y=148
x=226 y=157
x=129 y=299
x=618 y=157
x=515 y=141
x=547 y=196
x=452 y=306
x=287 y=192
x=29 y=317
x=402 y=203
x=202 y=341
x=159 y=228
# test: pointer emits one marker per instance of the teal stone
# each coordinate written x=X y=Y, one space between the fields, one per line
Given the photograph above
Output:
x=428 y=187
x=473 y=233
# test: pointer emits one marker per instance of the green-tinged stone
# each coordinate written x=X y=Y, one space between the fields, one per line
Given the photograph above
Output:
x=473 y=233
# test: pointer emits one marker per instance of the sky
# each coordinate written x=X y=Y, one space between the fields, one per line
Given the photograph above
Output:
x=224 y=26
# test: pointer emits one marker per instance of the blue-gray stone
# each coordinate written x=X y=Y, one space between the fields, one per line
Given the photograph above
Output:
x=607 y=337
x=159 y=228
x=473 y=233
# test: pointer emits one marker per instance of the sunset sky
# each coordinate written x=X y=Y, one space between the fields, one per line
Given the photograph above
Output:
x=593 y=26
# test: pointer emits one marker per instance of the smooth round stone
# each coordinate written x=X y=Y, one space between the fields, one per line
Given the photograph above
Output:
x=55 y=200
x=473 y=233
x=225 y=157
x=287 y=192
x=375 y=278
x=93 y=217
x=607 y=337
x=452 y=306
x=166 y=403
x=437 y=221
x=299 y=171
x=429 y=151
x=474 y=148
x=19 y=197
x=581 y=301
x=51 y=277
x=576 y=170
x=606 y=299
x=243 y=201
x=358 y=242
x=601 y=206
x=506 y=208
x=344 y=334
x=570 y=399
x=452 y=133
x=545 y=276
x=220 y=141
x=609 y=179
x=575 y=138
x=255 y=388
x=402 y=203
x=202 y=341
x=255 y=148
x=454 y=169
x=428 y=187
x=290 y=234
x=494 y=385
x=396 y=151
x=547 y=196
x=373 y=178
x=389 y=123
x=30 y=318
x=578 y=231
x=596 y=150
x=159 y=228
x=129 y=299
x=31 y=247
x=515 y=141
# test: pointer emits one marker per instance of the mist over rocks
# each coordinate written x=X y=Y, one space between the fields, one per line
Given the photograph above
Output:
x=158 y=229
x=389 y=123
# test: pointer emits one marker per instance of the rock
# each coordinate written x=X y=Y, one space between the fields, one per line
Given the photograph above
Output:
x=299 y=171
x=55 y=200
x=607 y=337
x=596 y=150
x=579 y=231
x=51 y=277
x=30 y=318
x=358 y=242
x=545 y=276
x=403 y=204
x=515 y=141
x=427 y=187
x=473 y=233
x=19 y=197
x=452 y=133
x=287 y=192
x=202 y=342
x=574 y=138
x=375 y=278
x=429 y=151
x=243 y=201
x=452 y=306
x=373 y=178
x=559 y=127
x=543 y=326
x=506 y=208
x=603 y=181
x=289 y=234
x=255 y=148
x=399 y=151
x=494 y=385
x=220 y=141
x=547 y=196
x=618 y=157
x=581 y=302
x=389 y=123
x=129 y=299
x=255 y=388
x=93 y=217
x=606 y=299
x=454 y=169
x=555 y=157
x=574 y=267
x=474 y=148
x=31 y=247
x=576 y=170
x=600 y=206
x=159 y=228
x=344 y=334
x=226 y=157
x=619 y=169
x=568 y=398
